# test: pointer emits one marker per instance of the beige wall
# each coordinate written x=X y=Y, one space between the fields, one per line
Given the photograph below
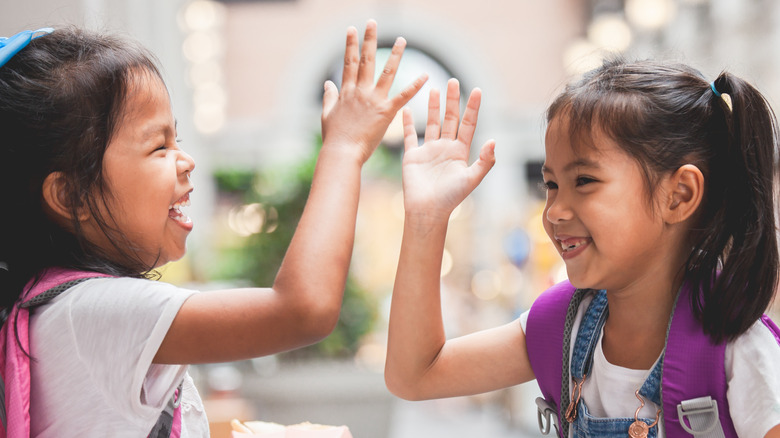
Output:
x=510 y=48
x=34 y=14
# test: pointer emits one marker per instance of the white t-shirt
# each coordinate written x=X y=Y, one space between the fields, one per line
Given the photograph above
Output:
x=751 y=370
x=93 y=374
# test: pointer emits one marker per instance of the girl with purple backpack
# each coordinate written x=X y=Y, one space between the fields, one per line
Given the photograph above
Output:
x=94 y=183
x=661 y=203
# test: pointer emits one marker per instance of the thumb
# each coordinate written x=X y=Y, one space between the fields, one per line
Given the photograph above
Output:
x=329 y=97
x=487 y=158
x=410 y=135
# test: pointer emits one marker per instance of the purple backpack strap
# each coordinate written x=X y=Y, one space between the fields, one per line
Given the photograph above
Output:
x=772 y=327
x=544 y=340
x=694 y=376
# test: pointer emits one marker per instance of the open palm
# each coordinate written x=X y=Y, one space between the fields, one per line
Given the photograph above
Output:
x=436 y=175
x=362 y=111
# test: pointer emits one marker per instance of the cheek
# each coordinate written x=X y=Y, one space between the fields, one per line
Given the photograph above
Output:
x=547 y=225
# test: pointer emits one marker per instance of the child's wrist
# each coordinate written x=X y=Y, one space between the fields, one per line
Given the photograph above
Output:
x=348 y=150
x=426 y=216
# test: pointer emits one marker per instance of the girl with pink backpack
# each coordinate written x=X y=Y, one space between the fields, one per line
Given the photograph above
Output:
x=661 y=191
x=94 y=183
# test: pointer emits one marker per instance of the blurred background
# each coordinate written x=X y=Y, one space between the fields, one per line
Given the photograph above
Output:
x=246 y=83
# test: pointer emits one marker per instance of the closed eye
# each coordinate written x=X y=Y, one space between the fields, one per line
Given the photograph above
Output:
x=163 y=147
x=583 y=180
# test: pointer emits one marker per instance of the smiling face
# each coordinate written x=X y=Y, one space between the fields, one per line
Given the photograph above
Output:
x=147 y=179
x=599 y=214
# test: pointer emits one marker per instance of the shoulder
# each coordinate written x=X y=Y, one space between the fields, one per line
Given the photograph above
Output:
x=758 y=340
x=128 y=286
x=554 y=300
x=123 y=294
x=552 y=305
x=753 y=380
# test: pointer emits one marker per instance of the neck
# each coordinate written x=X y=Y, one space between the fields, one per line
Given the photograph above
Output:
x=635 y=331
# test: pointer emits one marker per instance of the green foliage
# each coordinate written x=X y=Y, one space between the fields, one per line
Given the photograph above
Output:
x=261 y=255
x=233 y=180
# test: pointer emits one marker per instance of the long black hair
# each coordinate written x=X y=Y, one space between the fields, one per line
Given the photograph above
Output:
x=61 y=101
x=666 y=115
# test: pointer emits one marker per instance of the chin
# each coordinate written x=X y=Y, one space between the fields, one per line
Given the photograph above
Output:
x=166 y=260
x=579 y=281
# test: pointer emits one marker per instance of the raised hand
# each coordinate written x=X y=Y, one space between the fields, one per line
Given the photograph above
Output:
x=303 y=304
x=361 y=113
x=436 y=175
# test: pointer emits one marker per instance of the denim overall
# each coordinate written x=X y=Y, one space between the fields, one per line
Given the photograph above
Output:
x=586 y=425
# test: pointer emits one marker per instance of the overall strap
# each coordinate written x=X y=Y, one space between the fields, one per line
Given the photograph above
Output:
x=693 y=385
x=15 y=347
x=588 y=336
x=547 y=342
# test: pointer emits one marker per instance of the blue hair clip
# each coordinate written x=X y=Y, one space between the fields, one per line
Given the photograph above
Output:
x=714 y=90
x=12 y=45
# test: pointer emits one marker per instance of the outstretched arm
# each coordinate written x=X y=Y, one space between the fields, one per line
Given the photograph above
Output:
x=303 y=305
x=421 y=362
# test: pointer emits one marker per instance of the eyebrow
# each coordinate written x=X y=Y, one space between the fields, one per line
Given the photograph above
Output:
x=582 y=162
x=151 y=130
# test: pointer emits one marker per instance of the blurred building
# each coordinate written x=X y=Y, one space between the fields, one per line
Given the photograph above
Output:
x=246 y=82
x=246 y=76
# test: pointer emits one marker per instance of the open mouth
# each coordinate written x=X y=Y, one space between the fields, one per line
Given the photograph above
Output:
x=175 y=213
x=572 y=244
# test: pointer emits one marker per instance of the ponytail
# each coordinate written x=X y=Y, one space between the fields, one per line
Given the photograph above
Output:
x=666 y=115
x=735 y=262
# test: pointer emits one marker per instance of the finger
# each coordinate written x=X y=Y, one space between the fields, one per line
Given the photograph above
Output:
x=449 y=128
x=368 y=56
x=487 y=158
x=469 y=122
x=433 y=126
x=329 y=97
x=391 y=67
x=410 y=134
x=402 y=98
x=351 y=59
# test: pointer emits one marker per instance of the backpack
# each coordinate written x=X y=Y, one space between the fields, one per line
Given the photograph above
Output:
x=15 y=359
x=693 y=382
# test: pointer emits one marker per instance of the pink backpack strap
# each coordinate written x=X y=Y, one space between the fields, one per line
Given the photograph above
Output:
x=15 y=361
x=176 y=427
x=546 y=340
x=169 y=423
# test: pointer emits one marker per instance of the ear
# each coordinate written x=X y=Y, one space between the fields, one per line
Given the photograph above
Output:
x=685 y=191
x=55 y=198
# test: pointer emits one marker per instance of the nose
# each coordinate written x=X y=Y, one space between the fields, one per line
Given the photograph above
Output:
x=558 y=209
x=185 y=164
